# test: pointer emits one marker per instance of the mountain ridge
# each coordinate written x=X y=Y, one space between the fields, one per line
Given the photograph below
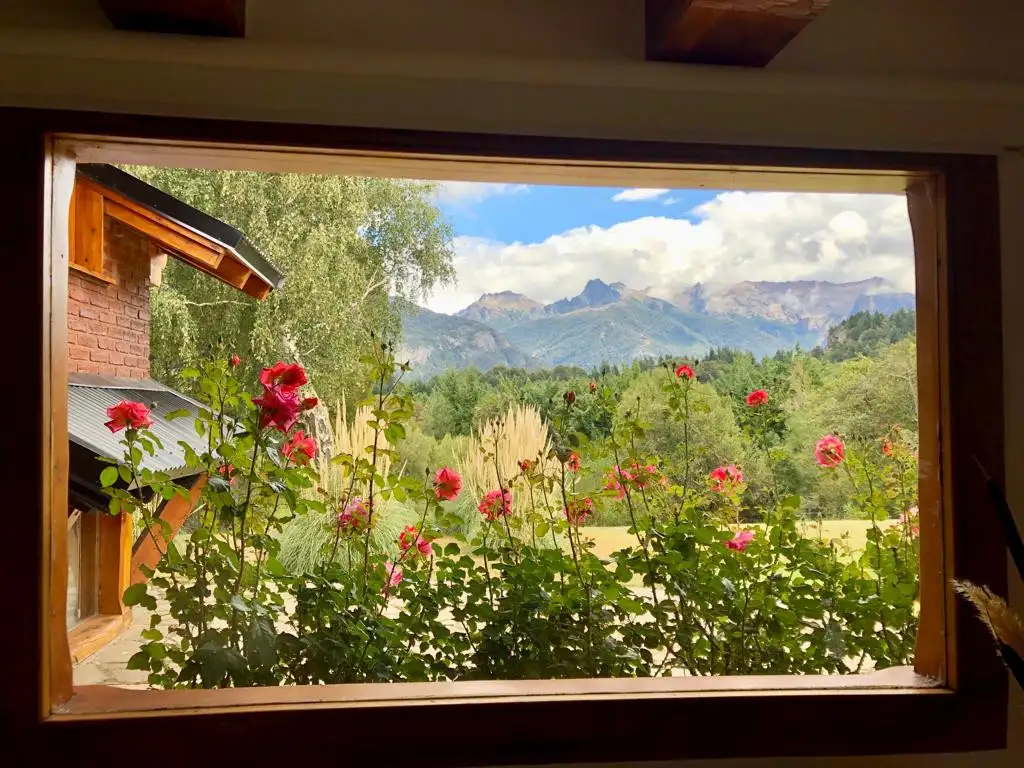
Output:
x=610 y=322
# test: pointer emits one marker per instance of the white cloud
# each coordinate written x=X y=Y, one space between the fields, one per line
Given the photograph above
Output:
x=636 y=195
x=736 y=236
x=469 y=192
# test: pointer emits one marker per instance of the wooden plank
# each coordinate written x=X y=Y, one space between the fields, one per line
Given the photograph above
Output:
x=207 y=18
x=87 y=229
x=55 y=422
x=234 y=272
x=741 y=33
x=155 y=228
x=175 y=512
x=926 y=204
x=93 y=633
x=256 y=287
x=110 y=577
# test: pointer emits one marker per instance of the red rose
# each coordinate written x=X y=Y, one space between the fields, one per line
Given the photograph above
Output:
x=128 y=414
x=496 y=504
x=684 y=370
x=354 y=516
x=278 y=408
x=573 y=462
x=447 y=484
x=285 y=376
x=525 y=465
x=887 y=447
x=724 y=478
x=309 y=403
x=592 y=386
x=579 y=510
x=570 y=397
x=227 y=470
x=234 y=361
x=757 y=397
x=300 y=449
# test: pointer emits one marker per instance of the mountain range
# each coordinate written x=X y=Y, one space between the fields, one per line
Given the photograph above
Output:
x=616 y=324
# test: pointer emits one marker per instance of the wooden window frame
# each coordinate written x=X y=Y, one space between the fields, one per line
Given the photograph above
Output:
x=955 y=201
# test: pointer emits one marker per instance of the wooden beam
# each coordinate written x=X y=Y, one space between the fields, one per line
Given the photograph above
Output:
x=207 y=18
x=739 y=33
x=175 y=512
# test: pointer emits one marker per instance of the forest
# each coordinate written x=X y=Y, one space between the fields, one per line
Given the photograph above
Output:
x=861 y=385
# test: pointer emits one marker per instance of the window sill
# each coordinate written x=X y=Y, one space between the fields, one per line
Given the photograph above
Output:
x=92 y=273
x=503 y=723
x=91 y=634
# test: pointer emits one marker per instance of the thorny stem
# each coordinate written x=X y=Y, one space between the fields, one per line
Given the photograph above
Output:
x=583 y=582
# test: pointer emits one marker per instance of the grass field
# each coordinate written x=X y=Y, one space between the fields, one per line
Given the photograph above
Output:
x=612 y=538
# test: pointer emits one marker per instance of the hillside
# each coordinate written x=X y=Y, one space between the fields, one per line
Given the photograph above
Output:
x=501 y=310
x=433 y=343
x=632 y=328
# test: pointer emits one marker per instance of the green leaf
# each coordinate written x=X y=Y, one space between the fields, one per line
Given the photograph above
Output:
x=108 y=476
x=240 y=604
x=189 y=373
x=178 y=413
x=140 y=661
x=134 y=594
x=152 y=634
x=156 y=650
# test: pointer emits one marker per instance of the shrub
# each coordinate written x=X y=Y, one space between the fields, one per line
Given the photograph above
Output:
x=367 y=592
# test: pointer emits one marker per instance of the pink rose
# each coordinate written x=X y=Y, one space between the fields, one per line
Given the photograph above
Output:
x=830 y=451
x=740 y=541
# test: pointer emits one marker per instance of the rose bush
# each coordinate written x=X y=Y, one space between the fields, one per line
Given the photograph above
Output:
x=716 y=581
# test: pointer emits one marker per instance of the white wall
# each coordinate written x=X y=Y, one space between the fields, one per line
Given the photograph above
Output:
x=943 y=75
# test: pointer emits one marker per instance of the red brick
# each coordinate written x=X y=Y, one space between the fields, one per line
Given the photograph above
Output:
x=99 y=300
x=77 y=292
x=124 y=322
x=136 y=349
x=88 y=312
x=116 y=358
x=138 y=325
x=99 y=356
x=105 y=342
x=76 y=323
x=89 y=341
x=78 y=353
x=107 y=317
x=123 y=346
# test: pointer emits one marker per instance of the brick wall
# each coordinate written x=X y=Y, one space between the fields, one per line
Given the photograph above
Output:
x=108 y=323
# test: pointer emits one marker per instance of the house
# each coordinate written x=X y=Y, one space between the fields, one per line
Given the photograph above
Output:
x=122 y=231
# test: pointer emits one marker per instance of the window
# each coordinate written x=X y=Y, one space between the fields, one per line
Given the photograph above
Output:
x=952 y=202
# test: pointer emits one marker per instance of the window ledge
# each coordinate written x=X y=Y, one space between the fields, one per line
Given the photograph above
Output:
x=91 y=634
x=543 y=721
x=92 y=273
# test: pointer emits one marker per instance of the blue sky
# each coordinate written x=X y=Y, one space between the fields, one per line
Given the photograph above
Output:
x=531 y=214
x=546 y=242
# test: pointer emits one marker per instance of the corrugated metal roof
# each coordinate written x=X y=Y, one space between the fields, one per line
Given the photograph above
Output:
x=90 y=396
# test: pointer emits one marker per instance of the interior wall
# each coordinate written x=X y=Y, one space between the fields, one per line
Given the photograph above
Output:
x=942 y=75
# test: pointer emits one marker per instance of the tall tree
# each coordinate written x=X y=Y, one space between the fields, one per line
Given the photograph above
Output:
x=355 y=252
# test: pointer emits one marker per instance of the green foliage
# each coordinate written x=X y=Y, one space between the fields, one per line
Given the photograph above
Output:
x=865 y=333
x=345 y=244
x=519 y=592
